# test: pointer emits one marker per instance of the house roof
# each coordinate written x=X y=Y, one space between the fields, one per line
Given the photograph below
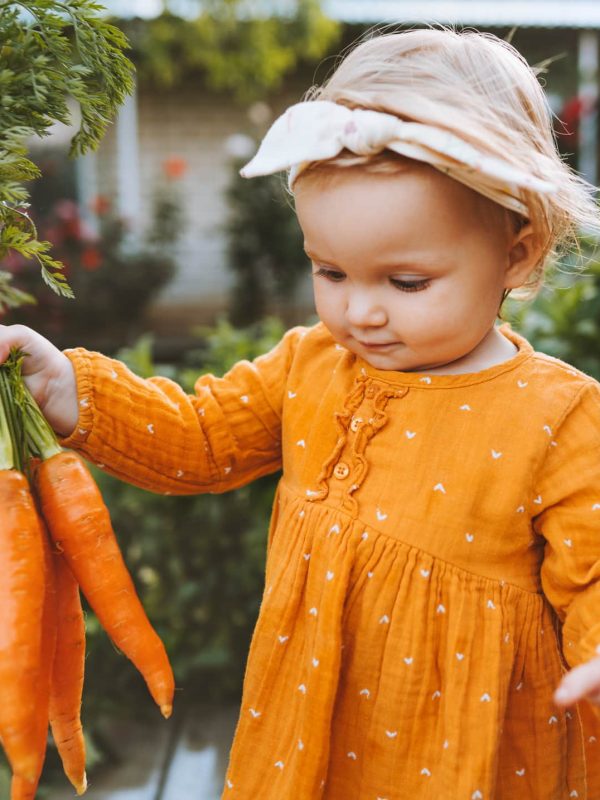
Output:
x=484 y=13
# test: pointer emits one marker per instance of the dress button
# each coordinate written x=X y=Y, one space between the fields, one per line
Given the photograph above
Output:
x=355 y=424
x=370 y=391
x=341 y=470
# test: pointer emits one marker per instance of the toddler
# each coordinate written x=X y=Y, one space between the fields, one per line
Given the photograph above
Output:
x=430 y=624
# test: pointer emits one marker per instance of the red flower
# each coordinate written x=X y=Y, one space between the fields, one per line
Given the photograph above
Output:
x=91 y=258
x=571 y=115
x=100 y=205
x=174 y=167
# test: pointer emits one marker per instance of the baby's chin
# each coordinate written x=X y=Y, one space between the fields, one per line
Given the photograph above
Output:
x=397 y=358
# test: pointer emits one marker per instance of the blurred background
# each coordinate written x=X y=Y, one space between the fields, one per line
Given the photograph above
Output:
x=180 y=266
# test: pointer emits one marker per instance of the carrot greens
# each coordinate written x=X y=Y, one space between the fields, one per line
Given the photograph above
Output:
x=6 y=448
x=41 y=439
x=13 y=433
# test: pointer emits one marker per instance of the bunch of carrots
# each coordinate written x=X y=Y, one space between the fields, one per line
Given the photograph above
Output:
x=56 y=539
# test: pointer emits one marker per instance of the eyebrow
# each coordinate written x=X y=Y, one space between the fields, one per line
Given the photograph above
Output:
x=312 y=256
x=424 y=263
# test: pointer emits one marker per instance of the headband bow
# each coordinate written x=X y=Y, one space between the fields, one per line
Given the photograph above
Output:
x=319 y=130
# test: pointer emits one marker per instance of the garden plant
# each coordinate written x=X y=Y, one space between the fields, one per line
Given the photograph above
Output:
x=51 y=52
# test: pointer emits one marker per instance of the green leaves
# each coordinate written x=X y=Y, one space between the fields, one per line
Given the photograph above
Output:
x=19 y=234
x=564 y=320
x=60 y=50
x=10 y=296
x=51 y=52
x=233 y=47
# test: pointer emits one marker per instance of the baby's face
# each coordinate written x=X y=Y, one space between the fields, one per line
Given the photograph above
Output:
x=409 y=269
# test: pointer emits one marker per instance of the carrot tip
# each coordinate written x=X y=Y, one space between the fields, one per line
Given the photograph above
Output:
x=82 y=785
x=166 y=710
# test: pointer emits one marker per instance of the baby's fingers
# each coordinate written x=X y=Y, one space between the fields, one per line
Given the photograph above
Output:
x=582 y=682
x=5 y=343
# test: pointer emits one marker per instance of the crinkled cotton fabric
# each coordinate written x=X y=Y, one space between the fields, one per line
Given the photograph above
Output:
x=433 y=562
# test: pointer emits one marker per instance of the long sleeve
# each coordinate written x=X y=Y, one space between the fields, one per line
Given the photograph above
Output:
x=569 y=492
x=150 y=433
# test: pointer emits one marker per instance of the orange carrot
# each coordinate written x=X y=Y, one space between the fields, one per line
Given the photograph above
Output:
x=67 y=676
x=22 y=789
x=79 y=524
x=22 y=591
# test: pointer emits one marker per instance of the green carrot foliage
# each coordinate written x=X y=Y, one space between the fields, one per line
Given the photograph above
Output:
x=53 y=55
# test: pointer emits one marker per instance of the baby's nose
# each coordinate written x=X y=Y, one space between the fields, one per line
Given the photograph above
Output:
x=364 y=310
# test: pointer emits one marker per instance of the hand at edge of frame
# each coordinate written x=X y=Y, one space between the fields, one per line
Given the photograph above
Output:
x=580 y=683
x=48 y=373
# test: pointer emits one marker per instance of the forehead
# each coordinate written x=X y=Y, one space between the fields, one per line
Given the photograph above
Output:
x=417 y=208
x=366 y=184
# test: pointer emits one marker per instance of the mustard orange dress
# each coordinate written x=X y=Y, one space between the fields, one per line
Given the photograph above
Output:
x=433 y=563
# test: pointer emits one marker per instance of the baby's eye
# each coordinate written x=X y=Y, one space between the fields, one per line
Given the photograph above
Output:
x=411 y=285
x=331 y=274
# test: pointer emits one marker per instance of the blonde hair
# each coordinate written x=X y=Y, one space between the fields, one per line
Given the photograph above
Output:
x=480 y=88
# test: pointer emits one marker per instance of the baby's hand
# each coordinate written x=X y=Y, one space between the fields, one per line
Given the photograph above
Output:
x=581 y=683
x=48 y=374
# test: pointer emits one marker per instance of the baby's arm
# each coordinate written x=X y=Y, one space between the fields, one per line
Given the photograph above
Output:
x=569 y=486
x=152 y=434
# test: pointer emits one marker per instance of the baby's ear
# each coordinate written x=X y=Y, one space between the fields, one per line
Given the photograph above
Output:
x=524 y=254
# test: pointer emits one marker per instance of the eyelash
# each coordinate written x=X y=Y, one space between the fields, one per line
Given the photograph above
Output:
x=403 y=286
x=411 y=286
x=330 y=274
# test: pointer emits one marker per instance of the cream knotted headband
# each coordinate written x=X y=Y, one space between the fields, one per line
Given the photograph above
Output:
x=318 y=130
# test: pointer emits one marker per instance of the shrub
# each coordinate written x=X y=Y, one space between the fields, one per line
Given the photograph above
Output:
x=564 y=320
x=113 y=277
